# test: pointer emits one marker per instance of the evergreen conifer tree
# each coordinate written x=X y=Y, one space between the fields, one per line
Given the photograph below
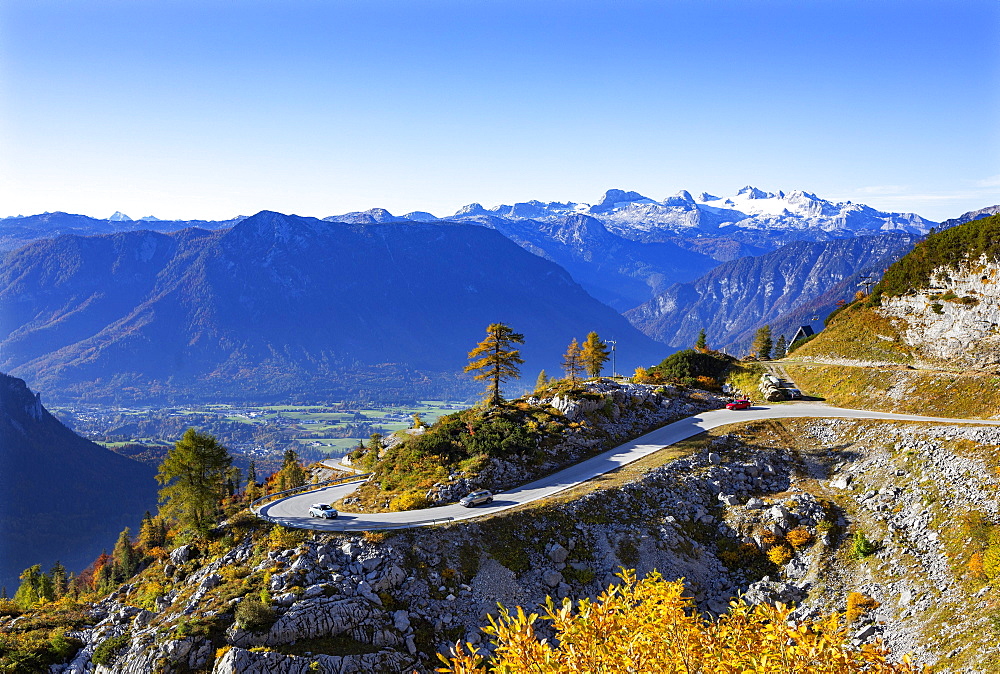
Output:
x=60 y=580
x=124 y=557
x=252 y=490
x=780 y=348
x=495 y=360
x=193 y=476
x=762 y=343
x=701 y=344
x=291 y=475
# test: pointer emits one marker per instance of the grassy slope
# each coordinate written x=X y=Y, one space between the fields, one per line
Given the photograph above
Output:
x=859 y=333
x=934 y=393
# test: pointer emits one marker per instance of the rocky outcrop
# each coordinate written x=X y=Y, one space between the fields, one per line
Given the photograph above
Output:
x=312 y=617
x=956 y=321
x=240 y=661
x=605 y=414
x=393 y=600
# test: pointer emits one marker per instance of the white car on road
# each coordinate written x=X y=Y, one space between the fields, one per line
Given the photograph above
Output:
x=323 y=510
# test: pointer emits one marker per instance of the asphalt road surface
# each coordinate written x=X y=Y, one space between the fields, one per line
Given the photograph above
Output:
x=293 y=511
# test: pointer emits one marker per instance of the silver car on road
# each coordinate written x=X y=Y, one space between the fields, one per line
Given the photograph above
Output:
x=476 y=498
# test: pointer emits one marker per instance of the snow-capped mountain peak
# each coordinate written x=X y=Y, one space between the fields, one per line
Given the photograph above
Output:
x=119 y=217
x=750 y=192
x=789 y=215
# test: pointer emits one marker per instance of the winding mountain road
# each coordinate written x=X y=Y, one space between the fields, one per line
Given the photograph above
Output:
x=292 y=511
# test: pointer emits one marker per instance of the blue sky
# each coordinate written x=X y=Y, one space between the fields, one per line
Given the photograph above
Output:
x=211 y=109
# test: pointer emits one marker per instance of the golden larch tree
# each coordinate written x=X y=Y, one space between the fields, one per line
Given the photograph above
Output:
x=495 y=360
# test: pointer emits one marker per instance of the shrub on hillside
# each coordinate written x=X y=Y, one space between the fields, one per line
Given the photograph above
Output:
x=799 y=537
x=857 y=605
x=411 y=500
x=861 y=546
x=253 y=615
x=780 y=554
x=107 y=651
x=991 y=561
x=689 y=366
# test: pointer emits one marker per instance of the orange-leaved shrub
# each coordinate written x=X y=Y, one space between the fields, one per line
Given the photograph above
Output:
x=976 y=565
x=649 y=626
x=857 y=605
x=799 y=537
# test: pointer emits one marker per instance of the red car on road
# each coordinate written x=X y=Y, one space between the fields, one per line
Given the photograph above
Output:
x=741 y=404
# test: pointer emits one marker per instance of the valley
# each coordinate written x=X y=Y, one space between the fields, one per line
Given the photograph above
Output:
x=254 y=432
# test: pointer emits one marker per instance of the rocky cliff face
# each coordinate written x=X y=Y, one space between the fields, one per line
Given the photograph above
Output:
x=387 y=602
x=956 y=321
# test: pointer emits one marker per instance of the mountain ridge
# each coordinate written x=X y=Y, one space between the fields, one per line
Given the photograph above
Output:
x=736 y=297
x=283 y=303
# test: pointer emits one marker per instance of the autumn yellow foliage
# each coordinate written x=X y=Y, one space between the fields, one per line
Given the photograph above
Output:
x=857 y=605
x=780 y=554
x=282 y=538
x=799 y=537
x=976 y=565
x=991 y=561
x=411 y=500
x=648 y=626
x=641 y=376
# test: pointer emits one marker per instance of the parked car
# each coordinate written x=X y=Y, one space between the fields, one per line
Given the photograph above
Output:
x=739 y=404
x=793 y=393
x=323 y=510
x=476 y=498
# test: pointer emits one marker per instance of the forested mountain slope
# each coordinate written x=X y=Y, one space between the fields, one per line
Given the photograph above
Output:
x=62 y=498
x=736 y=297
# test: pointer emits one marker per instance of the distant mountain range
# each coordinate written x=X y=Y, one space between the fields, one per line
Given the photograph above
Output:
x=784 y=288
x=62 y=498
x=18 y=231
x=623 y=250
x=273 y=306
x=745 y=214
x=281 y=307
